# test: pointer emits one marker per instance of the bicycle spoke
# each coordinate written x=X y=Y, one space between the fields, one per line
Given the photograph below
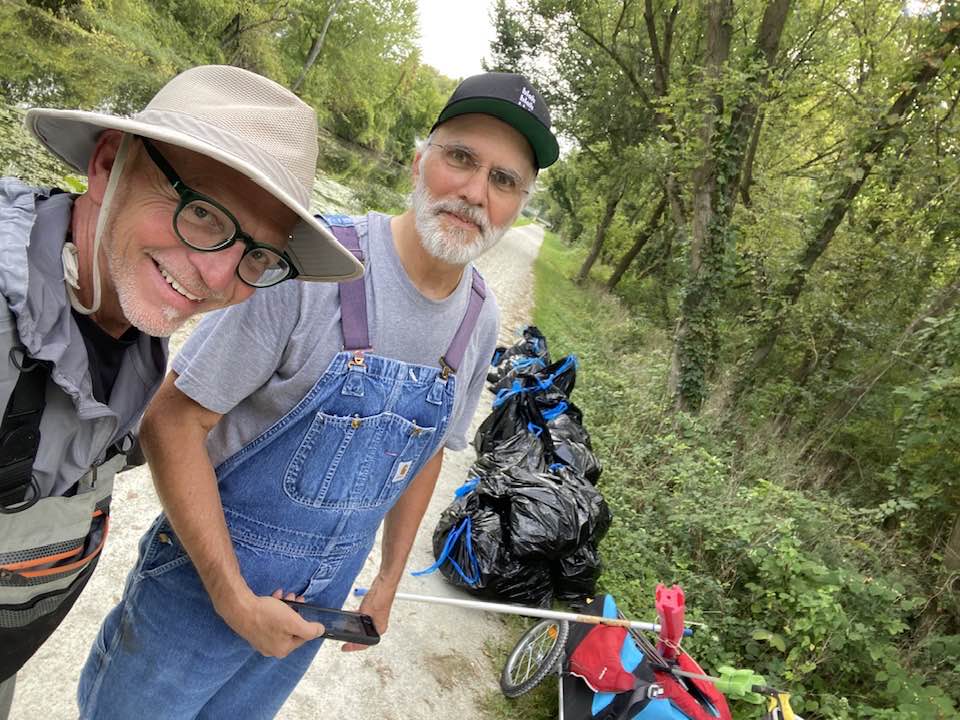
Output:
x=533 y=655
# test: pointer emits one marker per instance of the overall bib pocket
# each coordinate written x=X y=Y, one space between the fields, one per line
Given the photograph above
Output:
x=353 y=463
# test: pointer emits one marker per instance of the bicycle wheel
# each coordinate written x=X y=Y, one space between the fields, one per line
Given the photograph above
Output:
x=534 y=657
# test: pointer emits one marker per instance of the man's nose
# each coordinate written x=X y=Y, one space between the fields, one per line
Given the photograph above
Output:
x=474 y=190
x=218 y=270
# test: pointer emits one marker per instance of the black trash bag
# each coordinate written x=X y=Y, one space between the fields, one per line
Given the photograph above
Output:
x=514 y=414
x=575 y=576
x=524 y=450
x=554 y=383
x=523 y=582
x=548 y=515
x=545 y=516
x=571 y=445
x=580 y=459
x=496 y=571
x=497 y=358
x=550 y=388
x=560 y=377
x=531 y=352
x=486 y=542
x=568 y=426
x=593 y=513
x=512 y=369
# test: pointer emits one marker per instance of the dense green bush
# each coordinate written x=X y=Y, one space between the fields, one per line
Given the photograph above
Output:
x=806 y=588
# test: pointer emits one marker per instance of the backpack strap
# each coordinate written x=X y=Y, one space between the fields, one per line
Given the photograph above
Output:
x=20 y=429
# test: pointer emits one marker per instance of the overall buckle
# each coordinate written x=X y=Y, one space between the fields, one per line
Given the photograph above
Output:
x=445 y=370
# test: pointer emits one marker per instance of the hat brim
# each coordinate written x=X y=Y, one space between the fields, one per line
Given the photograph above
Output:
x=72 y=135
x=546 y=150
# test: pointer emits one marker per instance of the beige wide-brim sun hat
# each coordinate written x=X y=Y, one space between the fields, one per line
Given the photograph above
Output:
x=238 y=118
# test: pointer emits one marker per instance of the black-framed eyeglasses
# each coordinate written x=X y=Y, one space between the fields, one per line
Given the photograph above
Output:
x=203 y=224
x=462 y=160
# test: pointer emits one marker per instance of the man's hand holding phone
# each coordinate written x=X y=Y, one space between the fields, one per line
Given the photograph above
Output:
x=353 y=628
x=377 y=603
x=271 y=626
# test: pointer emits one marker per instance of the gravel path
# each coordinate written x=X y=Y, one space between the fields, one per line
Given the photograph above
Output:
x=431 y=664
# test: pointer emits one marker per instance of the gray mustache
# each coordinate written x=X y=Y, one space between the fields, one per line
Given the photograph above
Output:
x=463 y=209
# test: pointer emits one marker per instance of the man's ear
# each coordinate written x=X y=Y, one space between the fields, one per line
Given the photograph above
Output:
x=101 y=164
x=415 y=166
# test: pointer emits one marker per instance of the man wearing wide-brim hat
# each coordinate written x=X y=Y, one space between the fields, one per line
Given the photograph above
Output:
x=191 y=205
x=308 y=418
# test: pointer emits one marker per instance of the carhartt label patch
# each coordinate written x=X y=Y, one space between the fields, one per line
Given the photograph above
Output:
x=403 y=469
x=527 y=99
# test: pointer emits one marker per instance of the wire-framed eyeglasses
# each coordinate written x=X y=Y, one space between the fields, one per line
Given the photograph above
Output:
x=462 y=161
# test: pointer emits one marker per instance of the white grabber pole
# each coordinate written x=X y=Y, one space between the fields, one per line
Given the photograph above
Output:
x=527 y=611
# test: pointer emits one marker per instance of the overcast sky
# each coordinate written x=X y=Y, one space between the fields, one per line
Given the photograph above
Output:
x=455 y=35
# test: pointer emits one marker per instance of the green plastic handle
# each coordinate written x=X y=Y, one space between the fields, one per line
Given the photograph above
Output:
x=739 y=684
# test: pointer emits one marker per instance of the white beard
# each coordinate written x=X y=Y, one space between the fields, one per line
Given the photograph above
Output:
x=453 y=246
x=160 y=321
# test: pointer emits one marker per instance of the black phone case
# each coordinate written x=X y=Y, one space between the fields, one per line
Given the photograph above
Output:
x=315 y=613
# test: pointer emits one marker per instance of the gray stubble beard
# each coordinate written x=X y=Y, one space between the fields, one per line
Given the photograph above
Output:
x=452 y=246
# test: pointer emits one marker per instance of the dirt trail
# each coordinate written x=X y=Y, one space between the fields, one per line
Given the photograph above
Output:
x=430 y=666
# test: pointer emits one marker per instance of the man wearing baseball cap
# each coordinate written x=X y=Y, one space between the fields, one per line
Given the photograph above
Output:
x=306 y=420
x=191 y=205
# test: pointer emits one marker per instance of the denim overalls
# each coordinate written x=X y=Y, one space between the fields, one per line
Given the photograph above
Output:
x=303 y=502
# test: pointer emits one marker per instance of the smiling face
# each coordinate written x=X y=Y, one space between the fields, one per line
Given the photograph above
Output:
x=151 y=279
x=459 y=214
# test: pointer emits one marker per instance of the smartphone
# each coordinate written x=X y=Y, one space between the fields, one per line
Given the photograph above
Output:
x=343 y=625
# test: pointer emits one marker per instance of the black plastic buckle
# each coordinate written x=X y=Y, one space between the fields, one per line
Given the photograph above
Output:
x=17 y=486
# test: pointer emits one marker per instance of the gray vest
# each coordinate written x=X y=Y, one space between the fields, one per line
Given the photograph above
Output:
x=49 y=549
x=76 y=429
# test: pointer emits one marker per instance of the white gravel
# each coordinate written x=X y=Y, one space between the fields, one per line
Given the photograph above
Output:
x=430 y=665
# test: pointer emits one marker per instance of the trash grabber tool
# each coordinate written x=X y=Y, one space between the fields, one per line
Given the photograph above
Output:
x=527 y=611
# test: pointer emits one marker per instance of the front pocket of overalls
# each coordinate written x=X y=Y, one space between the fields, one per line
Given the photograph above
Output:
x=354 y=462
x=161 y=552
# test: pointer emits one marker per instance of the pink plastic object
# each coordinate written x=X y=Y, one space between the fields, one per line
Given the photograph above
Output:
x=670 y=609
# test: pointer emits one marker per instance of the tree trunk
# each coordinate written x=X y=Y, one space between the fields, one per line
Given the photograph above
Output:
x=315 y=48
x=715 y=185
x=639 y=242
x=743 y=123
x=951 y=552
x=696 y=324
x=613 y=200
x=746 y=177
x=868 y=154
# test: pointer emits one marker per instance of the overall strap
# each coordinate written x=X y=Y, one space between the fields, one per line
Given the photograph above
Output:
x=458 y=346
x=353 y=296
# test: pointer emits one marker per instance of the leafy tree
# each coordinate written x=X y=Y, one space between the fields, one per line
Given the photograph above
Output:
x=786 y=219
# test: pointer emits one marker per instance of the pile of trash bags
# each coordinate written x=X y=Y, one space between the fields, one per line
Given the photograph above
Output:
x=526 y=525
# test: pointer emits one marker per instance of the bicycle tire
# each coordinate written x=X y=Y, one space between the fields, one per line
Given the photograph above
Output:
x=534 y=657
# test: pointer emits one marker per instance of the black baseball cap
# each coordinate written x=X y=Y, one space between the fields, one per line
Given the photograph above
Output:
x=509 y=97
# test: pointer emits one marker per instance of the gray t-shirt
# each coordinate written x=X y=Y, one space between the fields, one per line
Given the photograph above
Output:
x=255 y=361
